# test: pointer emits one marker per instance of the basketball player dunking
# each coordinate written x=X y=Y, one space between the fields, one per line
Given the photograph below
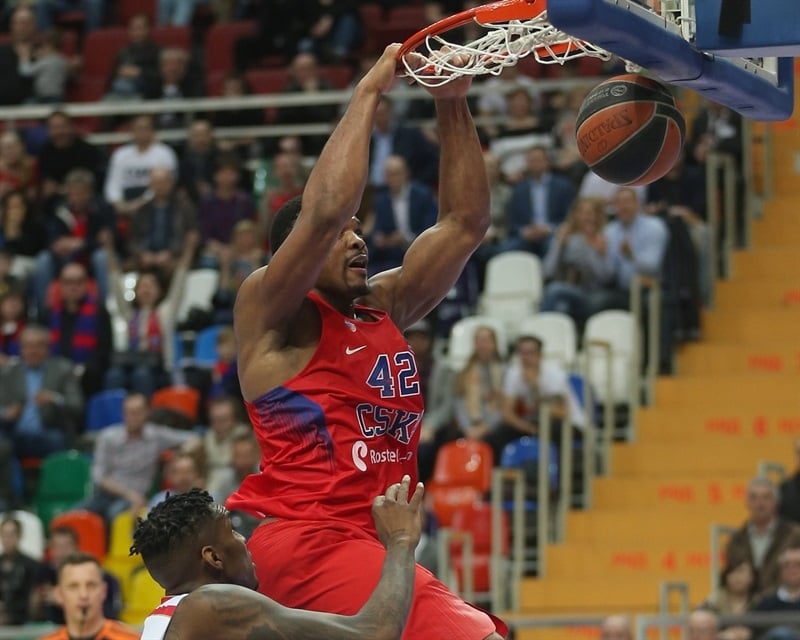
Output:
x=330 y=383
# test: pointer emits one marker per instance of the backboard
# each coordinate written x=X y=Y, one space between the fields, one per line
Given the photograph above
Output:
x=673 y=40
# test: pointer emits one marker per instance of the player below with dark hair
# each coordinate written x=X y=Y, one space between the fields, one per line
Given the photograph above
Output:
x=189 y=546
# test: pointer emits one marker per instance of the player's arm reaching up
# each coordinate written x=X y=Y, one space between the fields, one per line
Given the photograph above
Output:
x=437 y=256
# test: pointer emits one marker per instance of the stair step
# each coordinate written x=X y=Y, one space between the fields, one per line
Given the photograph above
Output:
x=751 y=291
x=661 y=561
x=765 y=357
x=659 y=458
x=752 y=325
x=677 y=524
x=615 y=492
x=767 y=262
x=555 y=595
x=699 y=426
x=729 y=394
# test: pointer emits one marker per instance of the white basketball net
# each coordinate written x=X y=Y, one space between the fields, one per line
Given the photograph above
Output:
x=504 y=44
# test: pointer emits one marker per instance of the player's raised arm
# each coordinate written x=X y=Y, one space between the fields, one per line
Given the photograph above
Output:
x=436 y=258
x=237 y=613
x=331 y=197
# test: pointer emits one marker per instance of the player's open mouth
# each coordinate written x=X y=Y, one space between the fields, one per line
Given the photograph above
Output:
x=359 y=262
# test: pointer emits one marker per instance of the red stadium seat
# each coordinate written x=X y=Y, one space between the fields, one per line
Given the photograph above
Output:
x=126 y=9
x=179 y=398
x=462 y=475
x=339 y=75
x=180 y=37
x=476 y=519
x=267 y=80
x=90 y=529
x=99 y=51
x=220 y=41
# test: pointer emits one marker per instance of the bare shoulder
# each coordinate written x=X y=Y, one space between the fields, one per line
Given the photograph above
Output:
x=222 y=611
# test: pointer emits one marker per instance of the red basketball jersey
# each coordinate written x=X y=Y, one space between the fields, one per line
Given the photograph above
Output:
x=338 y=433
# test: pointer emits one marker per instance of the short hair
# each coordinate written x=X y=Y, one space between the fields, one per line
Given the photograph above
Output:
x=59 y=113
x=530 y=338
x=283 y=223
x=172 y=522
x=80 y=176
x=763 y=481
x=63 y=530
x=79 y=557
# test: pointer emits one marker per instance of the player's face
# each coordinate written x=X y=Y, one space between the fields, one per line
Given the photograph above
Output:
x=238 y=568
x=345 y=272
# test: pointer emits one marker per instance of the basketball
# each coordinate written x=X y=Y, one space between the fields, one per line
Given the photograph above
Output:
x=629 y=130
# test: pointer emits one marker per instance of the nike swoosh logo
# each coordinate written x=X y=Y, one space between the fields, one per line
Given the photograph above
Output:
x=351 y=350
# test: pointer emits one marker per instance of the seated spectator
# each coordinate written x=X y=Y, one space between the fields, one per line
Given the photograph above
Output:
x=238 y=260
x=702 y=625
x=224 y=376
x=734 y=595
x=126 y=458
x=575 y=267
x=479 y=387
x=21 y=230
x=80 y=328
x=198 y=161
x=17 y=575
x=390 y=137
x=40 y=398
x=289 y=180
x=762 y=536
x=48 y=70
x=494 y=102
x=538 y=204
x=245 y=456
x=786 y=598
x=62 y=152
x=522 y=128
x=175 y=79
x=62 y=543
x=527 y=383
x=136 y=64
x=18 y=169
x=151 y=318
x=282 y=24
x=48 y=11
x=304 y=77
x=184 y=472
x=178 y=13
x=73 y=228
x=335 y=29
x=235 y=85
x=221 y=210
x=130 y=165
x=13 y=316
x=404 y=208
x=8 y=281
x=594 y=187
x=80 y=592
x=223 y=428
x=15 y=88
x=789 y=491
x=500 y=195
x=159 y=229
x=616 y=627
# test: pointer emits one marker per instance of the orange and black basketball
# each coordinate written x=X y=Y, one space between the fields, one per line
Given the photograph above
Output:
x=629 y=130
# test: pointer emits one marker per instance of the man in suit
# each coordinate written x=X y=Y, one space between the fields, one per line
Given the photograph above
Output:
x=763 y=536
x=404 y=208
x=40 y=398
x=538 y=204
x=390 y=138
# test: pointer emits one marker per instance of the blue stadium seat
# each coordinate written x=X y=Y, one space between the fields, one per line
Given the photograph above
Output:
x=104 y=409
x=524 y=454
x=205 y=347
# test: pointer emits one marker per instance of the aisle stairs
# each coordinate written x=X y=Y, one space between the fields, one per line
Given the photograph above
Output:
x=734 y=403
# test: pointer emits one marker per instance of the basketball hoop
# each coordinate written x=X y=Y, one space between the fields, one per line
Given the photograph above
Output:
x=514 y=29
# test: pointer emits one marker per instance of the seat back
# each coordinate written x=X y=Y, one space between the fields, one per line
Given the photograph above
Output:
x=201 y=284
x=557 y=333
x=89 y=527
x=32 y=541
x=144 y=595
x=524 y=454
x=476 y=518
x=184 y=399
x=464 y=463
x=220 y=41
x=205 y=346
x=512 y=288
x=65 y=474
x=619 y=330
x=460 y=343
x=104 y=409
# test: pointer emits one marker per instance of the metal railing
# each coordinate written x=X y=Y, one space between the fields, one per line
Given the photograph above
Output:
x=645 y=286
x=718 y=533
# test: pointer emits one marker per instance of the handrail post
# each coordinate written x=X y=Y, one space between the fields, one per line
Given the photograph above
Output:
x=729 y=207
x=543 y=489
x=565 y=479
x=717 y=532
x=500 y=576
x=607 y=435
x=665 y=588
x=712 y=219
x=589 y=441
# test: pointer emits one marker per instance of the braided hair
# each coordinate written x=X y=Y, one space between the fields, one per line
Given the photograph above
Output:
x=170 y=523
